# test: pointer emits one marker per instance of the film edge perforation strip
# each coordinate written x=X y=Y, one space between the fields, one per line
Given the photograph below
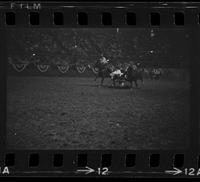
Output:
x=57 y=18
x=81 y=165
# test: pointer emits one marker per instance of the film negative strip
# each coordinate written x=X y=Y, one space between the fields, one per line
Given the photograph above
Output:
x=99 y=89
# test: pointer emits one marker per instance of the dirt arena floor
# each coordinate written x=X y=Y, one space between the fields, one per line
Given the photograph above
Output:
x=73 y=113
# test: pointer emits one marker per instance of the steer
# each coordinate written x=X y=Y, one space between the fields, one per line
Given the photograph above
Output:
x=118 y=76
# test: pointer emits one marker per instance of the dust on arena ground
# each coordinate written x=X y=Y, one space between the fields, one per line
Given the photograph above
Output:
x=73 y=113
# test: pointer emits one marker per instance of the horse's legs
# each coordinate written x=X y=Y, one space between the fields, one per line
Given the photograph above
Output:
x=142 y=80
x=151 y=76
x=96 y=76
x=136 y=84
x=160 y=76
x=113 y=84
x=157 y=77
x=102 y=79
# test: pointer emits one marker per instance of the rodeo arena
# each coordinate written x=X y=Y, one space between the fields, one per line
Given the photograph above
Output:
x=94 y=89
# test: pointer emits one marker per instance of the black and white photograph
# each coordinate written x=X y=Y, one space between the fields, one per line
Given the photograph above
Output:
x=98 y=89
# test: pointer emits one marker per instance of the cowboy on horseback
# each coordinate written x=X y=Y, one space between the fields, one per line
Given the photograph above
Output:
x=103 y=69
x=133 y=73
x=103 y=60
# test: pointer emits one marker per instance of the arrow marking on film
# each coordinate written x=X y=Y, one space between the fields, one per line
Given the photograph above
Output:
x=87 y=170
x=174 y=172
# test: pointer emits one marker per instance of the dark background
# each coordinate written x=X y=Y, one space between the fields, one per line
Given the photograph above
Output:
x=165 y=48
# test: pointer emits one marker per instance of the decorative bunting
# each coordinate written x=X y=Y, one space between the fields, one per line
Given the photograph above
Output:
x=63 y=68
x=42 y=68
x=19 y=67
x=95 y=70
x=81 y=68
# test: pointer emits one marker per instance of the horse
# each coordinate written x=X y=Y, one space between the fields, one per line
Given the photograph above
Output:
x=146 y=73
x=104 y=70
x=155 y=74
x=133 y=75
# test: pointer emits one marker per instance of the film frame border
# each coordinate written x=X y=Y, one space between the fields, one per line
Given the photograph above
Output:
x=118 y=168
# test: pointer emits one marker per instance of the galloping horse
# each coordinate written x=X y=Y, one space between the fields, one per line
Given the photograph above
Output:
x=104 y=70
x=132 y=75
